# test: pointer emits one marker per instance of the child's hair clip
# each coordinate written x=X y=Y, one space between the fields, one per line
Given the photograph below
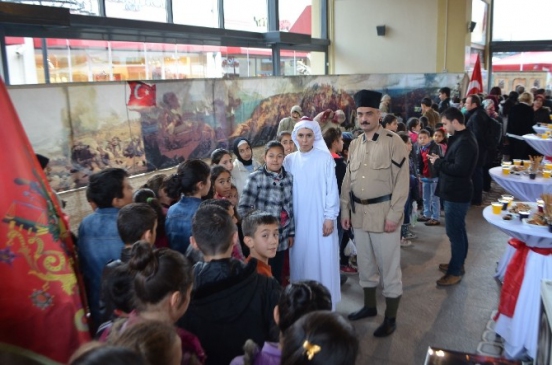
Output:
x=311 y=349
x=149 y=200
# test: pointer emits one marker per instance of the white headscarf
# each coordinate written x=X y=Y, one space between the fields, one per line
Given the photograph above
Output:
x=306 y=122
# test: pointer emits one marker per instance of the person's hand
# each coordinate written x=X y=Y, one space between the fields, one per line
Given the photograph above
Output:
x=346 y=223
x=291 y=241
x=432 y=158
x=390 y=226
x=328 y=227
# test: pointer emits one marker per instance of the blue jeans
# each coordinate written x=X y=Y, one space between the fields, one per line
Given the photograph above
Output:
x=432 y=205
x=455 y=224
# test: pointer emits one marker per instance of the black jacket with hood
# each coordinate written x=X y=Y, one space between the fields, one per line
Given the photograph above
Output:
x=230 y=304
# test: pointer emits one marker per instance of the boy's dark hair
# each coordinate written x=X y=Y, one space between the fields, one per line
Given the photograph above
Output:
x=106 y=185
x=223 y=203
x=388 y=119
x=435 y=107
x=158 y=272
x=213 y=230
x=281 y=135
x=427 y=102
x=257 y=218
x=334 y=335
x=412 y=122
x=188 y=175
x=119 y=285
x=332 y=135
x=425 y=131
x=475 y=99
x=218 y=154
x=301 y=298
x=134 y=220
x=445 y=90
x=453 y=113
x=273 y=144
x=154 y=340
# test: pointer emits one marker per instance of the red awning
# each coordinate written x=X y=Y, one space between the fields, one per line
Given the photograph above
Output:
x=525 y=61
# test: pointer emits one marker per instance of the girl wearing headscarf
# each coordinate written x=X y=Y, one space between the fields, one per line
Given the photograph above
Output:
x=244 y=163
x=315 y=253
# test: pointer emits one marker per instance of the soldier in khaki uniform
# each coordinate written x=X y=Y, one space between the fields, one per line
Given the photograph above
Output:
x=373 y=195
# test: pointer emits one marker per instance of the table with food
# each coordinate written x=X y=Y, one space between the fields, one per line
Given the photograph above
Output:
x=526 y=180
x=526 y=262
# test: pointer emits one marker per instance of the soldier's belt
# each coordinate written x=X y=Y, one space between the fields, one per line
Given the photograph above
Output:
x=379 y=199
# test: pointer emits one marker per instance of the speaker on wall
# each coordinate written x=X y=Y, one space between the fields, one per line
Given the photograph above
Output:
x=381 y=30
x=471 y=26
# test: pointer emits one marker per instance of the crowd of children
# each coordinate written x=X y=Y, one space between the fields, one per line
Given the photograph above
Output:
x=190 y=268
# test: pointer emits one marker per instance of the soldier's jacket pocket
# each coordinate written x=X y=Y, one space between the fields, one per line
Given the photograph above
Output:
x=380 y=159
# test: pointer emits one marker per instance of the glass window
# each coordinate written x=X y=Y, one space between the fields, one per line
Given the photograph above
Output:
x=296 y=16
x=514 y=21
x=82 y=7
x=25 y=61
x=528 y=69
x=77 y=60
x=479 y=16
x=199 y=13
x=151 y=10
x=249 y=15
x=294 y=63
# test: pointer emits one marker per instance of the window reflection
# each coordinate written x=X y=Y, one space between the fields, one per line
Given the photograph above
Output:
x=151 y=10
x=249 y=15
x=295 y=16
x=202 y=13
x=74 y=60
x=293 y=63
x=81 y=7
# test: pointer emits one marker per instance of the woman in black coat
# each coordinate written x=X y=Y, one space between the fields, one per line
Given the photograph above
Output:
x=520 y=122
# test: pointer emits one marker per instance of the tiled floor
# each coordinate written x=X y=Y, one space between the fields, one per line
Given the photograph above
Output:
x=454 y=318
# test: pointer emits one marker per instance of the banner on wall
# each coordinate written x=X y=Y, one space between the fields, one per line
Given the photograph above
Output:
x=41 y=302
x=142 y=127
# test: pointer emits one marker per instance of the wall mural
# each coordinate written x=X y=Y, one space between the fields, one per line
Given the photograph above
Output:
x=145 y=126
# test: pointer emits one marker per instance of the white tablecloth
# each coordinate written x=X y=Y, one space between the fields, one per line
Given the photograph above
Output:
x=538 y=129
x=533 y=237
x=520 y=332
x=521 y=186
x=543 y=146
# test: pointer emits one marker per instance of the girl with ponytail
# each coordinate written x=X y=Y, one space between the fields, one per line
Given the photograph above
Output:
x=162 y=285
x=190 y=183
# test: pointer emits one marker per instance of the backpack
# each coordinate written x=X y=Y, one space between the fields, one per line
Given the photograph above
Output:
x=493 y=135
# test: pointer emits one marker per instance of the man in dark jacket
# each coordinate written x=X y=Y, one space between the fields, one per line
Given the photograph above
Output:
x=231 y=302
x=456 y=189
x=478 y=122
x=444 y=97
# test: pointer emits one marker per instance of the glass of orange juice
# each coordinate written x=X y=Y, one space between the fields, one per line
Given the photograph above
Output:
x=497 y=208
x=548 y=166
x=506 y=169
x=546 y=173
x=517 y=162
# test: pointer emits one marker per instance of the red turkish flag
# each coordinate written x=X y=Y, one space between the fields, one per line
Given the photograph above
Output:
x=476 y=82
x=42 y=309
x=141 y=94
